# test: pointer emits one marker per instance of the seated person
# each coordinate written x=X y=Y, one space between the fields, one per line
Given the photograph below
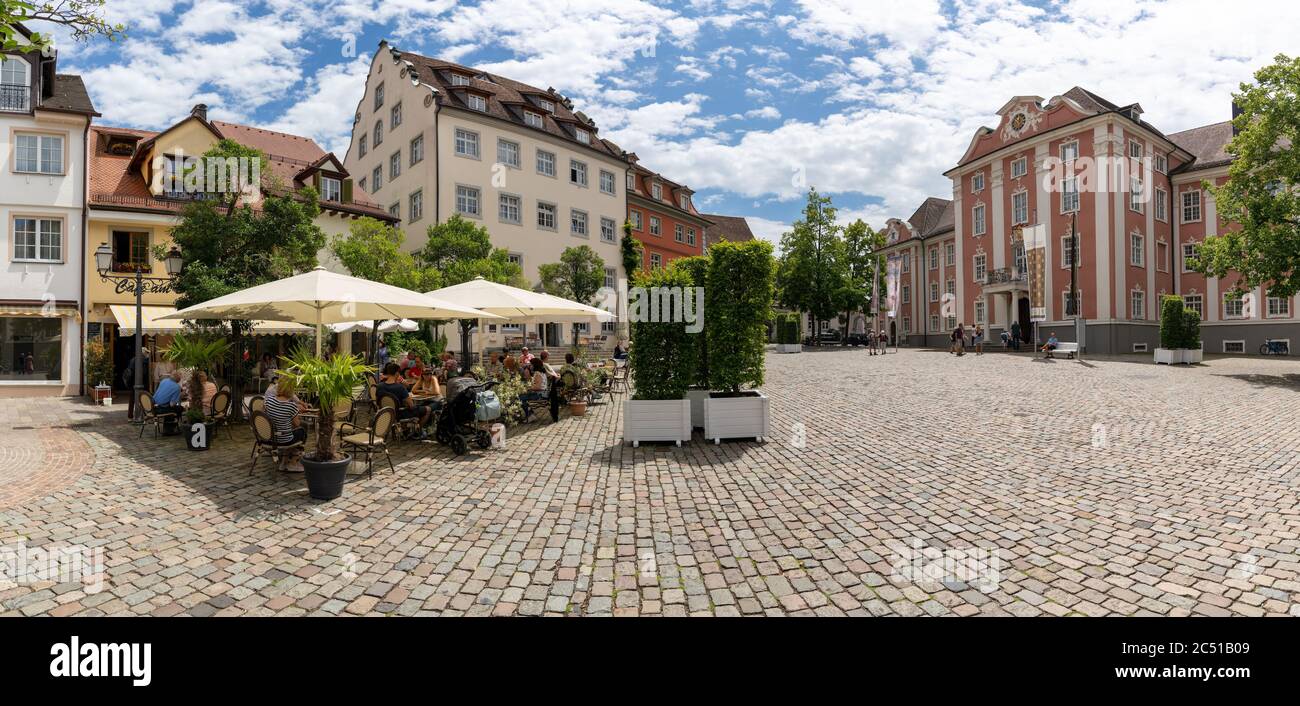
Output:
x=207 y=390
x=415 y=369
x=450 y=369
x=427 y=386
x=494 y=367
x=267 y=366
x=620 y=353
x=167 y=398
x=538 y=389
x=546 y=364
x=391 y=385
x=283 y=408
x=1051 y=345
x=525 y=357
x=510 y=366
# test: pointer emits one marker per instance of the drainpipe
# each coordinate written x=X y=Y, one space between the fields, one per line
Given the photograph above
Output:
x=85 y=310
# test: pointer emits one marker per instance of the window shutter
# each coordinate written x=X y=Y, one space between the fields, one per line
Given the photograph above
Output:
x=315 y=181
x=347 y=191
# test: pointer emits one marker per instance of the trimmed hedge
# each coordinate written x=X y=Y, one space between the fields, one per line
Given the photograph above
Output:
x=663 y=354
x=1191 y=329
x=787 y=329
x=1171 y=322
x=739 y=302
x=697 y=269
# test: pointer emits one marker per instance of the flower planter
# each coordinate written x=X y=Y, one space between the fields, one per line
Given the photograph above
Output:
x=198 y=436
x=578 y=409
x=325 y=478
x=697 y=398
x=1169 y=356
x=742 y=416
x=790 y=348
x=101 y=394
x=656 y=420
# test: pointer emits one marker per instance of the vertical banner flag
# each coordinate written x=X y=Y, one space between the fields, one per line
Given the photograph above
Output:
x=891 y=284
x=1035 y=261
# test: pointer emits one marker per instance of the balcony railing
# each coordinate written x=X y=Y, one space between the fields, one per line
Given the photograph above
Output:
x=1005 y=275
x=15 y=99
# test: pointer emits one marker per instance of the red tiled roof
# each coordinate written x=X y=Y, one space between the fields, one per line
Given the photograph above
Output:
x=1208 y=143
x=114 y=184
x=732 y=228
x=933 y=217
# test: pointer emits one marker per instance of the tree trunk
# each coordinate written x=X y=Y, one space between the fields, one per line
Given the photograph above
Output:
x=237 y=374
x=374 y=342
x=325 y=434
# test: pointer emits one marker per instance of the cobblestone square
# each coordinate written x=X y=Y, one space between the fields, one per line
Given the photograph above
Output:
x=1094 y=487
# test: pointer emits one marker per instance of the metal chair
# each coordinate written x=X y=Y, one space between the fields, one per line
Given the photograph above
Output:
x=150 y=414
x=219 y=411
x=264 y=440
x=374 y=439
x=404 y=427
x=619 y=382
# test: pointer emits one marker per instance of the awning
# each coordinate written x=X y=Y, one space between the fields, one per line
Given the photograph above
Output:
x=124 y=314
x=38 y=310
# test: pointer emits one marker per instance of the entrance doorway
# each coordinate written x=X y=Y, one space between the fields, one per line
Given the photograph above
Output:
x=1022 y=315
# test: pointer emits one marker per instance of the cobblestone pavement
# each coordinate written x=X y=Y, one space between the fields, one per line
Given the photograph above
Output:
x=1095 y=487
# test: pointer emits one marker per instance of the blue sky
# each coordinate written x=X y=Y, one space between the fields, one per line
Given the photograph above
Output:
x=747 y=101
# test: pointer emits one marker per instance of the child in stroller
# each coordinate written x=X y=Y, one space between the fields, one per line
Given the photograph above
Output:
x=469 y=403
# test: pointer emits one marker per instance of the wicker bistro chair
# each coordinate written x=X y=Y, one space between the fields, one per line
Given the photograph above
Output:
x=402 y=427
x=151 y=415
x=344 y=416
x=619 y=381
x=373 y=439
x=264 y=440
x=256 y=403
x=219 y=412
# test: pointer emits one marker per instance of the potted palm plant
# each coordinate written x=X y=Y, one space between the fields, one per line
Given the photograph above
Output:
x=329 y=381
x=199 y=354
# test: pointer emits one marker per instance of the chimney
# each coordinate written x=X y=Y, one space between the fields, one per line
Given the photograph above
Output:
x=1236 y=113
x=200 y=111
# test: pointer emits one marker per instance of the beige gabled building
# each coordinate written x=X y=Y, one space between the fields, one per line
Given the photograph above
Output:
x=432 y=138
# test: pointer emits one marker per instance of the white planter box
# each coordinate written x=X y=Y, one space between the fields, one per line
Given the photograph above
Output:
x=789 y=348
x=696 y=398
x=1169 y=356
x=745 y=417
x=656 y=420
x=1193 y=355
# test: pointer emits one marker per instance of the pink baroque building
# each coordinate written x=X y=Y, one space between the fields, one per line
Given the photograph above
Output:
x=1082 y=167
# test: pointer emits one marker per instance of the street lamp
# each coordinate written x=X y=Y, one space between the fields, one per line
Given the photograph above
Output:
x=139 y=284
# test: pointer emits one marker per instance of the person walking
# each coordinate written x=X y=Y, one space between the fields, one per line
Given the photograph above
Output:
x=871 y=342
x=1015 y=335
x=977 y=340
x=959 y=341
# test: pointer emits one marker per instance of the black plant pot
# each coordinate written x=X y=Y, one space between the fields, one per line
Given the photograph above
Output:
x=198 y=436
x=325 y=478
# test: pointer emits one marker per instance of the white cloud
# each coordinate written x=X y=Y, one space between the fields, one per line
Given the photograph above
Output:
x=325 y=114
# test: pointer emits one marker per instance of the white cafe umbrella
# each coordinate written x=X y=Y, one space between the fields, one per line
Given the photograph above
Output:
x=384 y=326
x=518 y=305
x=322 y=297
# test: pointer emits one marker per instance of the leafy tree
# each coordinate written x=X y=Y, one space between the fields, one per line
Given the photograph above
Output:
x=860 y=265
x=226 y=249
x=83 y=18
x=632 y=250
x=578 y=276
x=739 y=305
x=458 y=250
x=1262 y=193
x=373 y=250
x=811 y=274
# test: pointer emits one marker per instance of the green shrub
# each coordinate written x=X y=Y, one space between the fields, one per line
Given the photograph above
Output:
x=787 y=329
x=664 y=354
x=98 y=363
x=1171 y=322
x=1191 y=329
x=697 y=268
x=739 y=306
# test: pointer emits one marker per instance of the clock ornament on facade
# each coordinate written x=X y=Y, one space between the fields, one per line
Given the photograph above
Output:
x=1021 y=121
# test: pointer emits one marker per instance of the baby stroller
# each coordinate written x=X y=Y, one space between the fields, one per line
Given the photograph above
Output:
x=470 y=406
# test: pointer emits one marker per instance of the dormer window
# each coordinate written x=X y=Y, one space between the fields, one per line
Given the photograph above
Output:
x=685 y=202
x=331 y=189
x=477 y=102
x=631 y=182
x=14 y=92
x=546 y=105
x=459 y=80
x=532 y=119
x=657 y=191
x=583 y=136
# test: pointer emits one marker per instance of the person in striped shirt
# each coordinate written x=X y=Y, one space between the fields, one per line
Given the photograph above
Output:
x=286 y=426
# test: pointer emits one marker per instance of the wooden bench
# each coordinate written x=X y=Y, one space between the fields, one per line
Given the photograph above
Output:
x=1067 y=347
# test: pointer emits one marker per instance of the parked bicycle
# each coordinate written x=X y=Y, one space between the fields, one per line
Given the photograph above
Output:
x=1272 y=347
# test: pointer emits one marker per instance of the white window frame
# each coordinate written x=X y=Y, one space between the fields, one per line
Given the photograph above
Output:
x=395 y=116
x=1070 y=201
x=42 y=238
x=42 y=159
x=1162 y=205
x=1067 y=252
x=460 y=79
x=1135 y=203
x=1140 y=149
x=656 y=261
x=467 y=143
x=1162 y=164
x=979 y=266
x=417 y=150
x=679 y=233
x=503 y=153
x=977 y=181
x=1019 y=207
x=394 y=165
x=476 y=102
x=1195 y=301
x=1277 y=312
x=979 y=311
x=1019 y=167
x=506 y=201
x=607 y=176
x=540 y=163
x=578 y=173
x=547 y=208
x=331 y=188
x=949 y=254
x=979 y=223
x=473 y=196
x=934 y=258
x=1186 y=256
x=1137 y=305
x=535 y=120
x=415 y=205
x=1072 y=148
x=934 y=323
x=1137 y=255
x=934 y=292
x=905 y=292
x=1238 y=303
x=656 y=226
x=583 y=136
x=1065 y=299
x=1191 y=200
x=608 y=230
x=579 y=223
